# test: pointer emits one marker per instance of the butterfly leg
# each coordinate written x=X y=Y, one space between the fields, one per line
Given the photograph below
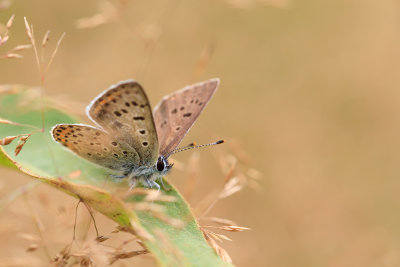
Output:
x=163 y=185
x=132 y=183
x=148 y=183
x=156 y=185
x=117 y=176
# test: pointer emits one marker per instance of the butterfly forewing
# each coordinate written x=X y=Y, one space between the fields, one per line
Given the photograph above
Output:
x=176 y=113
x=96 y=146
x=125 y=113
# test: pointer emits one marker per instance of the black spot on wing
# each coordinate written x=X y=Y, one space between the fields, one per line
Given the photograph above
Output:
x=101 y=113
x=117 y=124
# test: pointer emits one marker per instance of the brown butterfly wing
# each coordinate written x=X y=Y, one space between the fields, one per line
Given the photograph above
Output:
x=96 y=146
x=176 y=113
x=124 y=112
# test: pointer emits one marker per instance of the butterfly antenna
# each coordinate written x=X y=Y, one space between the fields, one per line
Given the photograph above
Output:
x=191 y=146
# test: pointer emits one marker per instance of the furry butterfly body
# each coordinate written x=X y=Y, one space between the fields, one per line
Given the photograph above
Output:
x=130 y=138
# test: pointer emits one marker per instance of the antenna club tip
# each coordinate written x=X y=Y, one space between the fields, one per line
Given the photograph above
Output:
x=220 y=142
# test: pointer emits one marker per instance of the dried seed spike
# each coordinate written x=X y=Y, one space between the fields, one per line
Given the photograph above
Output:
x=231 y=187
x=12 y=55
x=29 y=237
x=224 y=237
x=20 y=47
x=213 y=235
x=233 y=228
x=45 y=38
x=101 y=238
x=10 y=21
x=28 y=29
x=4 y=121
x=222 y=221
x=4 y=39
x=32 y=247
x=7 y=140
x=220 y=251
x=23 y=140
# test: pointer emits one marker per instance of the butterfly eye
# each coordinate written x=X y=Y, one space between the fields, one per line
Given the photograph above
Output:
x=160 y=164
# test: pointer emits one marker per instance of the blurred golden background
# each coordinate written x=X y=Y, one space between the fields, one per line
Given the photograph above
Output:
x=309 y=97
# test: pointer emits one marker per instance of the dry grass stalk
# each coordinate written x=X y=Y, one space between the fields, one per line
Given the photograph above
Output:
x=136 y=230
x=229 y=228
x=168 y=246
x=151 y=195
x=233 y=228
x=31 y=37
x=61 y=258
x=93 y=254
x=159 y=212
x=54 y=54
x=8 y=89
x=219 y=237
x=29 y=237
x=221 y=221
x=219 y=250
x=127 y=255
x=4 y=121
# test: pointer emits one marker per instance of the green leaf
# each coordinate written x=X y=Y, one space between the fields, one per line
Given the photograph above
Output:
x=47 y=161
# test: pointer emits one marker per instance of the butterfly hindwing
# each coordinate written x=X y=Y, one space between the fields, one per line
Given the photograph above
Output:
x=96 y=146
x=176 y=113
x=125 y=113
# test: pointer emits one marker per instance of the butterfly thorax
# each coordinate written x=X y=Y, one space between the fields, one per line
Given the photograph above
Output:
x=150 y=173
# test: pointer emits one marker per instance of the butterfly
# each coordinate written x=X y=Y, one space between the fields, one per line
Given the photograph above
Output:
x=129 y=137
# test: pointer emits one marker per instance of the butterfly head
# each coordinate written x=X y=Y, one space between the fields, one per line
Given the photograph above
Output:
x=162 y=166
